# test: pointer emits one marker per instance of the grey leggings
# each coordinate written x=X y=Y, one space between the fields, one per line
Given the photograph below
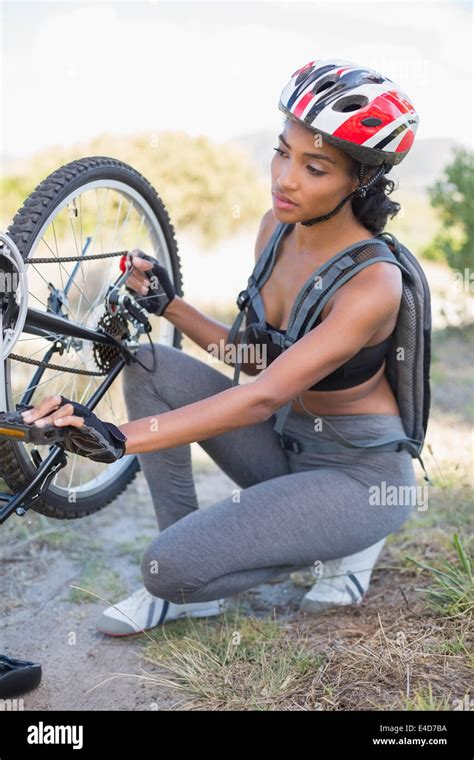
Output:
x=289 y=509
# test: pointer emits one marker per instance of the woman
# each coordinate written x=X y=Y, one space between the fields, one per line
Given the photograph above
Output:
x=345 y=127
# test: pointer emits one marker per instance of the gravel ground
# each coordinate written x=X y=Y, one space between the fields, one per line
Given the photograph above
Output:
x=45 y=620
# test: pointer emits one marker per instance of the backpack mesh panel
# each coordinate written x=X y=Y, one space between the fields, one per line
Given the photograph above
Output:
x=400 y=369
x=370 y=251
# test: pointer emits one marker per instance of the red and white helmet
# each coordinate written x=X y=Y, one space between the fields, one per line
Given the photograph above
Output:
x=355 y=108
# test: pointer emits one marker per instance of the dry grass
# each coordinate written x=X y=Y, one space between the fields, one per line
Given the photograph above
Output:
x=385 y=656
x=238 y=663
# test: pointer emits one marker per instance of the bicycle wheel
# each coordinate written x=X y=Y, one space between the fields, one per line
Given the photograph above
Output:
x=90 y=207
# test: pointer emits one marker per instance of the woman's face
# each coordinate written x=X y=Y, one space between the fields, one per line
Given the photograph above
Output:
x=315 y=183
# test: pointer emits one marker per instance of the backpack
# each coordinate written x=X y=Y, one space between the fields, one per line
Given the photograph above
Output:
x=409 y=357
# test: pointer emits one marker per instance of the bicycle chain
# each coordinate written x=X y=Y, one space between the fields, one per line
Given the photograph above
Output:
x=55 y=259
x=48 y=365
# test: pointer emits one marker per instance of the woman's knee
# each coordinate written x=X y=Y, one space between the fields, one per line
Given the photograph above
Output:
x=149 y=371
x=165 y=576
x=148 y=359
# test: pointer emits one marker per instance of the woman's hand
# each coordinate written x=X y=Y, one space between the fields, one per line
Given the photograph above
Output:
x=137 y=279
x=52 y=411
x=85 y=433
x=151 y=281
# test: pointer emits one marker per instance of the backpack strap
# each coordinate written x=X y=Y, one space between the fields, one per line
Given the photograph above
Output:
x=328 y=281
x=341 y=444
x=261 y=272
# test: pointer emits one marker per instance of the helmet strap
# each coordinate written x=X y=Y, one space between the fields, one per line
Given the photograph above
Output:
x=362 y=171
x=359 y=192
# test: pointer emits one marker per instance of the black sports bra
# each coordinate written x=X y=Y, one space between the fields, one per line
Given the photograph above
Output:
x=357 y=370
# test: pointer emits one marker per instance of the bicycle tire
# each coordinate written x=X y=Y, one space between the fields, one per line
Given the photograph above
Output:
x=16 y=468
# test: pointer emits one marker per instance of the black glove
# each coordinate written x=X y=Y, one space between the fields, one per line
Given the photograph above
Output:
x=97 y=440
x=161 y=291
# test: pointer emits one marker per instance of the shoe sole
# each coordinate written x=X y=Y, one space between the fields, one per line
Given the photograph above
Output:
x=314 y=607
x=209 y=612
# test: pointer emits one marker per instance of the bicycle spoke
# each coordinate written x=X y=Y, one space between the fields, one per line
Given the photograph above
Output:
x=30 y=356
x=80 y=268
x=98 y=217
x=60 y=264
x=23 y=340
x=38 y=385
x=57 y=254
x=45 y=306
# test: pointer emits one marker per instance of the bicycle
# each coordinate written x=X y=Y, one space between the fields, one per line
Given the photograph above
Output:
x=66 y=305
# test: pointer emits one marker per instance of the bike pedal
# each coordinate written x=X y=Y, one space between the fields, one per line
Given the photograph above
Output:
x=13 y=428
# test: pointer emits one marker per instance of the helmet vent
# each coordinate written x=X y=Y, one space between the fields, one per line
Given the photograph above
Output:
x=371 y=121
x=303 y=75
x=350 y=103
x=321 y=87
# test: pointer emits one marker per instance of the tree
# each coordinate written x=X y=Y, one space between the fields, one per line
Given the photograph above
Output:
x=453 y=196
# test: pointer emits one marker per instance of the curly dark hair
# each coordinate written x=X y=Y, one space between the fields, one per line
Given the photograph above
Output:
x=373 y=210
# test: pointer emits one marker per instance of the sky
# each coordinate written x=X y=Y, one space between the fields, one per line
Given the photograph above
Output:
x=70 y=71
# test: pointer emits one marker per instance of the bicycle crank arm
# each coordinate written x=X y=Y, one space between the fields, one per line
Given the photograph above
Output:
x=13 y=428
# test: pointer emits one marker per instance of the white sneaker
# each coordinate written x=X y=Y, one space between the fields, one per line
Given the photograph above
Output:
x=142 y=611
x=343 y=581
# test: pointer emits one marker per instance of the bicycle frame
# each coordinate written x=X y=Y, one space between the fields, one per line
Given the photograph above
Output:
x=46 y=325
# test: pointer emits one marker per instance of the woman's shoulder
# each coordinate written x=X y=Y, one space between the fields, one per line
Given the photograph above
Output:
x=268 y=225
x=381 y=281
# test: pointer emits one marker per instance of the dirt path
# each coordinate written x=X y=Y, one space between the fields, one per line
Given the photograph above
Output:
x=45 y=620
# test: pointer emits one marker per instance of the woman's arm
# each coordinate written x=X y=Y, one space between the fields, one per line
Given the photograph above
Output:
x=202 y=330
x=361 y=307
x=233 y=408
x=206 y=332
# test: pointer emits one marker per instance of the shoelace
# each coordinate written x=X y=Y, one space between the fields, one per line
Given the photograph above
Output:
x=332 y=572
x=135 y=601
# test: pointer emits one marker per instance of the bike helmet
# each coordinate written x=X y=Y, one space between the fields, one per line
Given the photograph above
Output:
x=356 y=109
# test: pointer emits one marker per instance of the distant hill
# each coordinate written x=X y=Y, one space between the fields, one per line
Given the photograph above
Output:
x=421 y=168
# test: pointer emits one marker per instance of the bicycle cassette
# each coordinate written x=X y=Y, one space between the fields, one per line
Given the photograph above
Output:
x=115 y=325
